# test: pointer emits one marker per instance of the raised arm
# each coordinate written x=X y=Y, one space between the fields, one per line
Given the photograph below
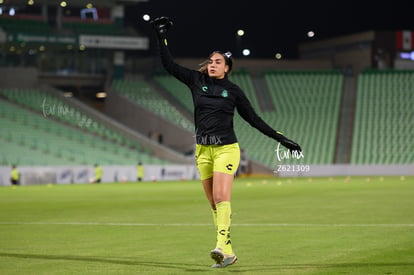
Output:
x=161 y=25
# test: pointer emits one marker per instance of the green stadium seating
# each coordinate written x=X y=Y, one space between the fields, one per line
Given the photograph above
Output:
x=243 y=79
x=306 y=107
x=306 y=110
x=182 y=94
x=142 y=94
x=33 y=137
x=383 y=125
x=177 y=89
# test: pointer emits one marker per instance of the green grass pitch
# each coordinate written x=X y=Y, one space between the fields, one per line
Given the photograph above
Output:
x=356 y=225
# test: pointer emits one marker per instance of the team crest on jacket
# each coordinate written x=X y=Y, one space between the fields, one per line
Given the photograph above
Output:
x=224 y=93
x=204 y=88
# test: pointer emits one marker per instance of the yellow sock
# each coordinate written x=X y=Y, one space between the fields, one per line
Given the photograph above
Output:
x=223 y=227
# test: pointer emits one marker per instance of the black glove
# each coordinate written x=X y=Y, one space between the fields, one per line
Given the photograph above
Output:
x=161 y=25
x=289 y=144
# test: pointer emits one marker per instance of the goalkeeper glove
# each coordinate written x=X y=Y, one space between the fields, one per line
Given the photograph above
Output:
x=161 y=25
x=289 y=144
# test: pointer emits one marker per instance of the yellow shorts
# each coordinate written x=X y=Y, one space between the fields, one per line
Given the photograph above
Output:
x=217 y=158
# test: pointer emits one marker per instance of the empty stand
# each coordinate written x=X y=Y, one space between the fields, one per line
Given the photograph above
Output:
x=59 y=134
x=177 y=89
x=141 y=93
x=384 y=125
x=306 y=105
x=306 y=110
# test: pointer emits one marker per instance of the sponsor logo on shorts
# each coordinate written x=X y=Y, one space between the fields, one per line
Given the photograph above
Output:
x=229 y=167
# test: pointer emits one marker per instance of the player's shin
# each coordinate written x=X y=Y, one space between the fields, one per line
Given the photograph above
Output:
x=223 y=227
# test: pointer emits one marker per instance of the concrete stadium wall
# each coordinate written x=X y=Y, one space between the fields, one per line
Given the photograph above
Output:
x=344 y=170
x=18 y=77
x=30 y=175
x=84 y=174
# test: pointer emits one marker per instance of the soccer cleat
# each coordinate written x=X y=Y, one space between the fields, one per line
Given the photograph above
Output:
x=222 y=260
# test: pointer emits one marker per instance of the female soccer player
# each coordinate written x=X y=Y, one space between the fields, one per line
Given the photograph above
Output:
x=215 y=98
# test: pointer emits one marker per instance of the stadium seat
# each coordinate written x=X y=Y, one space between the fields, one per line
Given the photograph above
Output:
x=306 y=110
x=33 y=139
x=384 y=127
x=142 y=94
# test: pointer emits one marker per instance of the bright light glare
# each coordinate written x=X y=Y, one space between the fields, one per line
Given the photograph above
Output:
x=278 y=56
x=100 y=95
x=409 y=55
x=240 y=32
x=246 y=52
x=311 y=34
x=146 y=17
x=63 y=4
x=12 y=12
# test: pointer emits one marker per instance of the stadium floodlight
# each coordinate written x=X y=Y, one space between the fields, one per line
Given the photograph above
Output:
x=239 y=35
x=100 y=95
x=311 y=34
x=246 y=52
x=146 y=17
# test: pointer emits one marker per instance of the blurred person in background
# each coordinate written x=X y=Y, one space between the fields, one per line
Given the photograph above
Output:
x=14 y=176
x=98 y=173
x=140 y=171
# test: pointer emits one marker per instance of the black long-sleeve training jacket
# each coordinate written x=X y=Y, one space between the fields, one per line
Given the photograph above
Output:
x=214 y=103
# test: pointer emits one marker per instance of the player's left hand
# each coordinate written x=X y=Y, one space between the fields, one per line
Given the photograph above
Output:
x=161 y=25
x=291 y=145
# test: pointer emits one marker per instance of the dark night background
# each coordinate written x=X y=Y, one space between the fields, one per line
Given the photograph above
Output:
x=270 y=26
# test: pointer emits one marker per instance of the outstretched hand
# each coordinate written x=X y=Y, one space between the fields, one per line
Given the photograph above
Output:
x=161 y=25
x=291 y=145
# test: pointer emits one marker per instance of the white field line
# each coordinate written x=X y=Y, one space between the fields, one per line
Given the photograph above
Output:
x=207 y=224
